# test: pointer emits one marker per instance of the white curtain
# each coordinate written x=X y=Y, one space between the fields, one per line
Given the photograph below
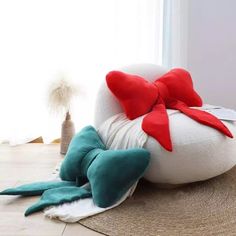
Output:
x=82 y=39
x=175 y=33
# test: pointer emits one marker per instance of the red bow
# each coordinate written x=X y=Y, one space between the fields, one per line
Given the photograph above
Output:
x=174 y=90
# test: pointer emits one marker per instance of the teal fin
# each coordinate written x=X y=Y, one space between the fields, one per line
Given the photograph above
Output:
x=58 y=196
x=36 y=188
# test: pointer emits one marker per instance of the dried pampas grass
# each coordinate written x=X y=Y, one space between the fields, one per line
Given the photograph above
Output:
x=60 y=95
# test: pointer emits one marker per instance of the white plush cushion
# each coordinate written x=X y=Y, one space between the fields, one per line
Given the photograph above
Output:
x=199 y=152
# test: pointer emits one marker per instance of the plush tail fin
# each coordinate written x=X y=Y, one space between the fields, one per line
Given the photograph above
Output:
x=36 y=188
x=58 y=196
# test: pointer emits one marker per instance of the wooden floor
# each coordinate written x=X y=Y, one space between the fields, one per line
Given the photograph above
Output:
x=24 y=164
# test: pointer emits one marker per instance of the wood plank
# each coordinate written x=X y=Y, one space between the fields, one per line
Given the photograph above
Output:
x=24 y=164
x=29 y=173
x=30 y=153
x=19 y=165
x=13 y=223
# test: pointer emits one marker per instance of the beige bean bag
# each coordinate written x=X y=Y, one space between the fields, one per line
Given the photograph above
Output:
x=199 y=152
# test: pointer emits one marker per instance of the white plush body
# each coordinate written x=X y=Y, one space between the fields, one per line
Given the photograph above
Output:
x=199 y=152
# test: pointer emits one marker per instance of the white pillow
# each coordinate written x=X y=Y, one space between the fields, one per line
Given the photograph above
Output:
x=199 y=152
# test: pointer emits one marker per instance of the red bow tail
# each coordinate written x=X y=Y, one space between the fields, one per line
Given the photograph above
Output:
x=202 y=117
x=156 y=124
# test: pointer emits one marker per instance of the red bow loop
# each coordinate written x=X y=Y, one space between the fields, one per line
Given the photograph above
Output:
x=180 y=86
x=173 y=90
x=136 y=95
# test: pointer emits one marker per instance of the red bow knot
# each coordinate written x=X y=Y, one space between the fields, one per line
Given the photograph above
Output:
x=174 y=90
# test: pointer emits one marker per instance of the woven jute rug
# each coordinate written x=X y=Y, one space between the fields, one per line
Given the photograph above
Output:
x=202 y=208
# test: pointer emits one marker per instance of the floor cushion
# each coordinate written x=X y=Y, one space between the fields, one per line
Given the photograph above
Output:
x=199 y=152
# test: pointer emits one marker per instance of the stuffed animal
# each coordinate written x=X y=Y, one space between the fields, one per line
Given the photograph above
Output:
x=110 y=174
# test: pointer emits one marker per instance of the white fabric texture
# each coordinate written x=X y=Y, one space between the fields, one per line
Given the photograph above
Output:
x=199 y=152
x=80 y=209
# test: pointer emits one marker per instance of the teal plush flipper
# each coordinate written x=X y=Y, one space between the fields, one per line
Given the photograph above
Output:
x=110 y=174
x=37 y=188
x=113 y=172
x=81 y=145
x=58 y=196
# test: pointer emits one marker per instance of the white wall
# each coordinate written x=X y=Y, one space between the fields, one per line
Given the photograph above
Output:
x=211 y=54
